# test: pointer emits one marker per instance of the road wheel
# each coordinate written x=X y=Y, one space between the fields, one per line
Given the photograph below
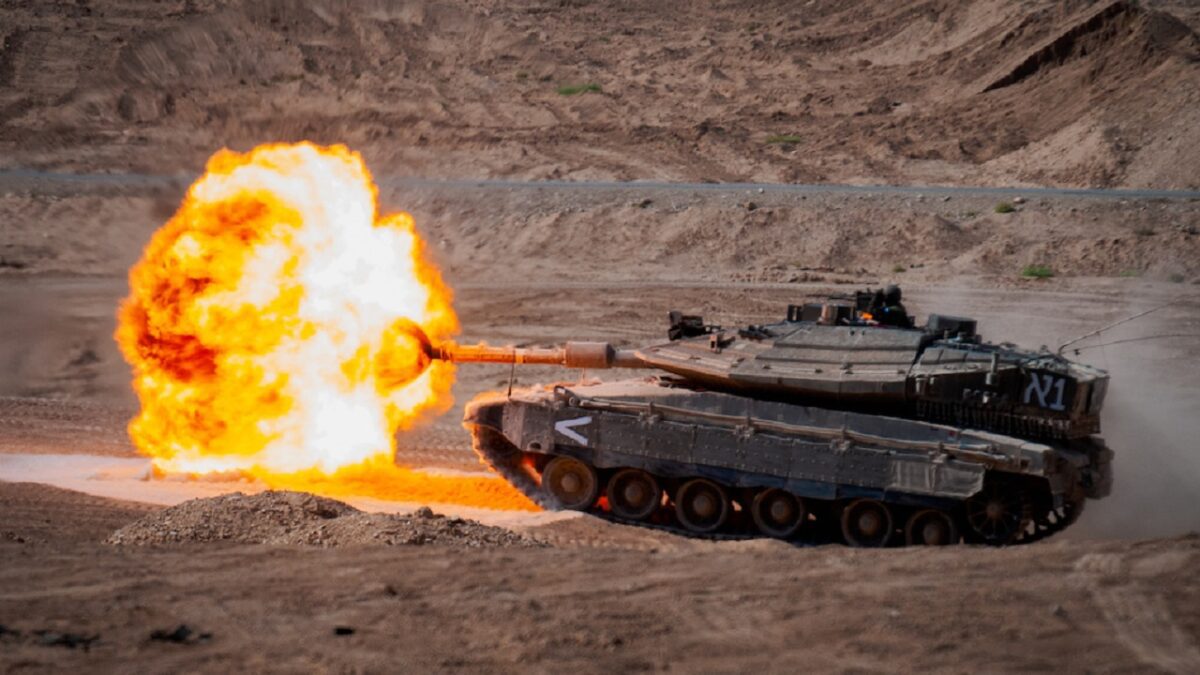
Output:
x=702 y=505
x=633 y=494
x=778 y=513
x=867 y=523
x=572 y=483
x=930 y=528
x=998 y=514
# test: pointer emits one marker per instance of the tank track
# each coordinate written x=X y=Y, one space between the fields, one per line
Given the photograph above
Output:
x=505 y=459
x=1052 y=522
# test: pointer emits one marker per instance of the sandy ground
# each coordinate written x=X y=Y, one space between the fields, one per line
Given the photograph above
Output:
x=589 y=603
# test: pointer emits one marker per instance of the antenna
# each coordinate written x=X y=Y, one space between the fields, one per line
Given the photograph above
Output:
x=1138 y=339
x=1109 y=326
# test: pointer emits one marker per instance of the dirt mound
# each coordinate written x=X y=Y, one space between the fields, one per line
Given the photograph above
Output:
x=283 y=517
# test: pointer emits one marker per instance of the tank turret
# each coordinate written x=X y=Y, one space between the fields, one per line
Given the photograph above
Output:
x=829 y=355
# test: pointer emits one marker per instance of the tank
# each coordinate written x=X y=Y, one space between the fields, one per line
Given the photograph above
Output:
x=824 y=426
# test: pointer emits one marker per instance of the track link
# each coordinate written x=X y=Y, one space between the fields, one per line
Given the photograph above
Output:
x=1052 y=522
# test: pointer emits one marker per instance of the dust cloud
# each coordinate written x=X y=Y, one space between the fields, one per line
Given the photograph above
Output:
x=1150 y=418
x=1152 y=421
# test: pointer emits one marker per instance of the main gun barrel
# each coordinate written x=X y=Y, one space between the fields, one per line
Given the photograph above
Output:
x=572 y=355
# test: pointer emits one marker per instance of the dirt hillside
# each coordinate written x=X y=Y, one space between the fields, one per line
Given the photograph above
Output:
x=1066 y=93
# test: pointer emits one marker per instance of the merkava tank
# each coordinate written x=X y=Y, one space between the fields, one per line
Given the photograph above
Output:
x=823 y=426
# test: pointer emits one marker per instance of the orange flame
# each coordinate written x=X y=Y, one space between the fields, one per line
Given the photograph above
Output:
x=275 y=327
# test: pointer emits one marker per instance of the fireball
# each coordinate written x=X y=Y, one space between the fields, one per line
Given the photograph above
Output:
x=275 y=328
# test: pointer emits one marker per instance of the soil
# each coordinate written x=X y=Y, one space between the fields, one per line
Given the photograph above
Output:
x=591 y=602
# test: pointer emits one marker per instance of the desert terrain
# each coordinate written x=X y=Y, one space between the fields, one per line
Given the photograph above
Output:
x=108 y=110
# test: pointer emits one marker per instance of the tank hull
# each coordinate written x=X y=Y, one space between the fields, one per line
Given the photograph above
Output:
x=755 y=458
